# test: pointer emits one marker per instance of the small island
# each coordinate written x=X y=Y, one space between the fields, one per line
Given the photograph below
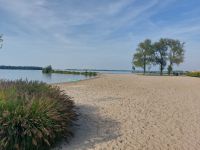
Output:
x=49 y=70
x=21 y=67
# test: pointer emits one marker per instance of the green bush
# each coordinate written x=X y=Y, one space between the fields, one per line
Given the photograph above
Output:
x=86 y=73
x=193 y=74
x=47 y=69
x=33 y=115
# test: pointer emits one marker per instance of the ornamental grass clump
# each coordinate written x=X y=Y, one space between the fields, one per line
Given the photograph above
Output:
x=33 y=115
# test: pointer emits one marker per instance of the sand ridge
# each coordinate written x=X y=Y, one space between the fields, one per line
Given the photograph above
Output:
x=130 y=112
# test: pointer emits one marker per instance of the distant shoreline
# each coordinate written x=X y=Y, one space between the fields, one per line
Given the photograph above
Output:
x=21 y=67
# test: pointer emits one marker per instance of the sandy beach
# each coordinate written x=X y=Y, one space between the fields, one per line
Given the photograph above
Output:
x=128 y=112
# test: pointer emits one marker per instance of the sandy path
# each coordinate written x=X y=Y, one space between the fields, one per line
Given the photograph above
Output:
x=130 y=112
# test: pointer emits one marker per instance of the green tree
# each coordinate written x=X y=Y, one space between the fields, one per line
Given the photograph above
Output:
x=169 y=69
x=1 y=41
x=160 y=54
x=143 y=55
x=47 y=69
x=175 y=53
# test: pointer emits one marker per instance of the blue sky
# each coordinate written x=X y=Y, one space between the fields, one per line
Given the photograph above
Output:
x=99 y=34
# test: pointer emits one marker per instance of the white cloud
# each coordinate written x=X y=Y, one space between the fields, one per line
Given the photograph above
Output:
x=92 y=25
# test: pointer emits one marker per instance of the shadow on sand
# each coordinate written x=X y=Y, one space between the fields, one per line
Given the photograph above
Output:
x=92 y=129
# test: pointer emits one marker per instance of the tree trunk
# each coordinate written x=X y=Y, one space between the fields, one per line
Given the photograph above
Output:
x=144 y=68
x=144 y=64
x=161 y=69
x=171 y=68
x=169 y=71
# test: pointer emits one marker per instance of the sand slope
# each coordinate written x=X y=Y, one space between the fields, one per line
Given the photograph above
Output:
x=130 y=112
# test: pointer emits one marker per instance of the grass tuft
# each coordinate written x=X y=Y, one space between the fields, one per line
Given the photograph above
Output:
x=33 y=115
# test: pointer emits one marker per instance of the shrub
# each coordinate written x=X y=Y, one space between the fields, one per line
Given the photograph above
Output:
x=33 y=115
x=86 y=73
x=47 y=69
x=193 y=74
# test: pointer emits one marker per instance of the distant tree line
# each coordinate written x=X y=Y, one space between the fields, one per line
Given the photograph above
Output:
x=17 y=67
x=163 y=52
x=21 y=67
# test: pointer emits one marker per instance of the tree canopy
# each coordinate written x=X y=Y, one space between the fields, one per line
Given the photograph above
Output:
x=163 y=52
x=160 y=54
x=175 y=52
x=143 y=54
x=47 y=69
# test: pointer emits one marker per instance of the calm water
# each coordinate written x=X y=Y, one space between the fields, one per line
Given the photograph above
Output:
x=105 y=71
x=39 y=76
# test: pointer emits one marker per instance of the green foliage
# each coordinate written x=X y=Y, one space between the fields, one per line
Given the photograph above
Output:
x=143 y=54
x=175 y=52
x=159 y=53
x=89 y=73
x=193 y=74
x=47 y=69
x=169 y=69
x=33 y=115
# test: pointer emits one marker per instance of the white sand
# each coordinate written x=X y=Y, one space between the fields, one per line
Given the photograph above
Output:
x=130 y=112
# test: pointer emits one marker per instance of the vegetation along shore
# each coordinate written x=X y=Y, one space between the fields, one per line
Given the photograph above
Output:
x=49 y=69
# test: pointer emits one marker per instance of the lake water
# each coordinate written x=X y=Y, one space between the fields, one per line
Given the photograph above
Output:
x=39 y=76
x=105 y=71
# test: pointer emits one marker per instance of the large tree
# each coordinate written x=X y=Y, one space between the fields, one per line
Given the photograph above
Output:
x=1 y=41
x=160 y=54
x=165 y=51
x=175 y=53
x=143 y=55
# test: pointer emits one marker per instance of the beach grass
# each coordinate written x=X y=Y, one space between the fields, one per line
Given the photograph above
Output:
x=33 y=115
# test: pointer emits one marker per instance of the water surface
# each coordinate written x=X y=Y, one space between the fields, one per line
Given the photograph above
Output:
x=39 y=76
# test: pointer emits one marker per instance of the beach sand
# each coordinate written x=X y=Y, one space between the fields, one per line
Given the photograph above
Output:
x=131 y=112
